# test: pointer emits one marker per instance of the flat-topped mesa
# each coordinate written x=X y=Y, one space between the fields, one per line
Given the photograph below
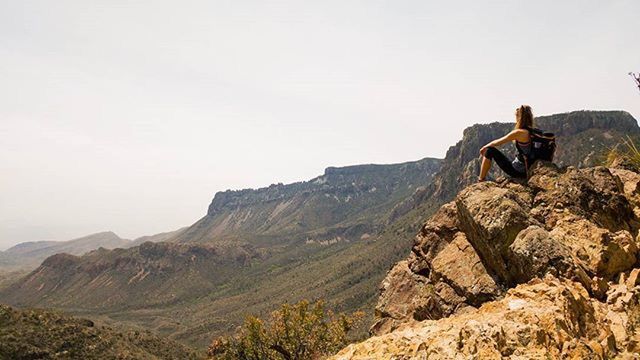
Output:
x=577 y=121
x=343 y=204
x=342 y=180
x=373 y=169
x=578 y=224
x=231 y=199
x=350 y=170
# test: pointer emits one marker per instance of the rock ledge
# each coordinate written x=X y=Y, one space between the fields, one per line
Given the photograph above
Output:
x=547 y=268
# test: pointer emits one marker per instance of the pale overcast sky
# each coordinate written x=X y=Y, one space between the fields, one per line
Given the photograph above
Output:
x=129 y=115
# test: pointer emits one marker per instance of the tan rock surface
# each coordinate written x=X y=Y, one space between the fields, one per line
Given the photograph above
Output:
x=472 y=288
x=577 y=224
x=543 y=319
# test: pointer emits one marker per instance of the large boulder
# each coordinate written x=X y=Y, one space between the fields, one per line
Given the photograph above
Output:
x=443 y=275
x=575 y=224
x=535 y=253
x=492 y=216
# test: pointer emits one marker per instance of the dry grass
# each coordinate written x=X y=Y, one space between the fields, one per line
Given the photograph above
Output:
x=626 y=152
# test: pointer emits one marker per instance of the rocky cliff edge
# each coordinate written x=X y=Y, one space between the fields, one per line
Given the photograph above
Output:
x=549 y=268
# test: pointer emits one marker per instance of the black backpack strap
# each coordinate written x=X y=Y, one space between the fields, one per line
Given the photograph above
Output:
x=524 y=158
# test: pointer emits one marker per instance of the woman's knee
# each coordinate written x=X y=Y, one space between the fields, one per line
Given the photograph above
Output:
x=491 y=152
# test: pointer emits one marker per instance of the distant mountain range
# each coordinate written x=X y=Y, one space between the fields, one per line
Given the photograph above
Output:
x=331 y=237
x=29 y=255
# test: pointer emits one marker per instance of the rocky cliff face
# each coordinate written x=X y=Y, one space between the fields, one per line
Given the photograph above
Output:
x=344 y=203
x=508 y=269
x=341 y=182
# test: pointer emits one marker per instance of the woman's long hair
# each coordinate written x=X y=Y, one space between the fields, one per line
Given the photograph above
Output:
x=524 y=117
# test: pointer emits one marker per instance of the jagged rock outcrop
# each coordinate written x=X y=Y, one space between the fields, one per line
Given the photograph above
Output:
x=547 y=318
x=489 y=248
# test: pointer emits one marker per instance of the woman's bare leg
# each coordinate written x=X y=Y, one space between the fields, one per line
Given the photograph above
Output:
x=484 y=168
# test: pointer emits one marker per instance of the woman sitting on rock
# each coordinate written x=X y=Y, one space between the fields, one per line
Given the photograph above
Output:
x=521 y=137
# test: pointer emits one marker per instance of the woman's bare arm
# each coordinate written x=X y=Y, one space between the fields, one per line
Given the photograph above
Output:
x=513 y=135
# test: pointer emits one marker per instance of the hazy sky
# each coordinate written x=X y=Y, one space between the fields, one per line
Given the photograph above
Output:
x=129 y=115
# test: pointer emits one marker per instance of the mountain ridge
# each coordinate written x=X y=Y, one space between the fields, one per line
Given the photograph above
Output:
x=236 y=197
x=28 y=255
x=289 y=211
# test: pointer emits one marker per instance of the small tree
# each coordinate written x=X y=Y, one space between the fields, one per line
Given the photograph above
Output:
x=295 y=332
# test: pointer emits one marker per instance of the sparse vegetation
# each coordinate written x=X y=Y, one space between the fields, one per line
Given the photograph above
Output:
x=294 y=332
x=625 y=153
x=46 y=334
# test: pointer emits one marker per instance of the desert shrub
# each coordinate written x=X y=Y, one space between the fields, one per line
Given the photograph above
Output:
x=294 y=332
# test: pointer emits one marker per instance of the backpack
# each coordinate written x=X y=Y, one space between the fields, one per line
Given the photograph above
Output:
x=543 y=145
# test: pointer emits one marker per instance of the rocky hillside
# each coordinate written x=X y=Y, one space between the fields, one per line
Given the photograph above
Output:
x=41 y=334
x=550 y=267
x=345 y=203
x=164 y=273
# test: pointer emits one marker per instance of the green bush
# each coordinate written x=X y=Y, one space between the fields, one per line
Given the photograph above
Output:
x=294 y=332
